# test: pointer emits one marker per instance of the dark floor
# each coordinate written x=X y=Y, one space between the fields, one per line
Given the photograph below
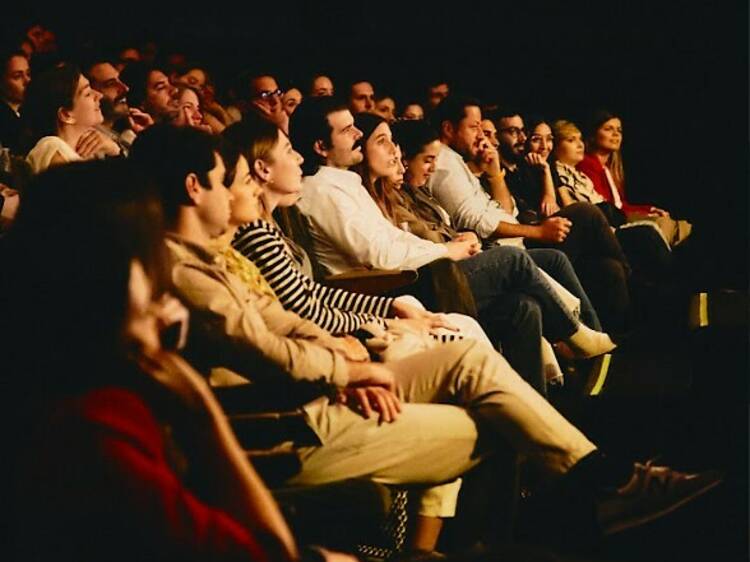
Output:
x=681 y=395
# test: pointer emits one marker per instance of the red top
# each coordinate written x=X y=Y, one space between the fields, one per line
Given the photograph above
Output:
x=100 y=485
x=593 y=168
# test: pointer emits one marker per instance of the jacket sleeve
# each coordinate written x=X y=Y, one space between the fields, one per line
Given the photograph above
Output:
x=228 y=330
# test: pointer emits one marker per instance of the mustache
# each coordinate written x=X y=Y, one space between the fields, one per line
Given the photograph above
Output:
x=358 y=143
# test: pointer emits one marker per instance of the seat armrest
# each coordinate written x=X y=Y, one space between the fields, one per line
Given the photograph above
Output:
x=372 y=281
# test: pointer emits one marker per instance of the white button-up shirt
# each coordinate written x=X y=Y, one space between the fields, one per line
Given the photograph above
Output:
x=350 y=231
x=459 y=192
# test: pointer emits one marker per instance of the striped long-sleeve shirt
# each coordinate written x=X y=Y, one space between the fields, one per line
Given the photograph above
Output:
x=335 y=310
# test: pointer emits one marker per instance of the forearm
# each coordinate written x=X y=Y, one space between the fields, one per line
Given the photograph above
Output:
x=499 y=192
x=548 y=185
x=511 y=230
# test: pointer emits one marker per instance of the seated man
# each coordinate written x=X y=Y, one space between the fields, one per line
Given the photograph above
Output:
x=434 y=404
x=151 y=91
x=582 y=232
x=361 y=97
x=121 y=122
x=516 y=304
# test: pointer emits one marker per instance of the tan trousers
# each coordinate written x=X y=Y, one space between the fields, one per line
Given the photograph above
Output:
x=447 y=392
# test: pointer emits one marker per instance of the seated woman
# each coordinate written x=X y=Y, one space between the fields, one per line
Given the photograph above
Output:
x=647 y=251
x=214 y=114
x=189 y=114
x=285 y=267
x=61 y=112
x=93 y=471
x=603 y=165
x=500 y=277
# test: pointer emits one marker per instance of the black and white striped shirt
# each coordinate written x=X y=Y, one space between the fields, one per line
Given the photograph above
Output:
x=335 y=310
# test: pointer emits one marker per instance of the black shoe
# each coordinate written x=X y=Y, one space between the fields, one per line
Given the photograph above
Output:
x=653 y=491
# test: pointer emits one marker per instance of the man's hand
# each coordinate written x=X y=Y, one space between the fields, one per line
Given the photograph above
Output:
x=139 y=120
x=371 y=374
x=489 y=159
x=367 y=400
x=92 y=143
x=555 y=229
x=275 y=115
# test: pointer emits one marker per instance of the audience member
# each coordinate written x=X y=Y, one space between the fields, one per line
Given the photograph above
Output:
x=62 y=112
x=93 y=476
x=321 y=85
x=582 y=233
x=151 y=91
x=361 y=97
x=14 y=80
x=603 y=164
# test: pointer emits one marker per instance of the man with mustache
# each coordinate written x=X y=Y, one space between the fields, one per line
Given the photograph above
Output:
x=121 y=122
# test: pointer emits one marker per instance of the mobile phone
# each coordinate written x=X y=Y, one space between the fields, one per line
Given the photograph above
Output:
x=173 y=336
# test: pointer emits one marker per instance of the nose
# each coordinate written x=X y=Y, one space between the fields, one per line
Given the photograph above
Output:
x=122 y=87
x=172 y=89
x=369 y=104
x=356 y=133
x=521 y=136
x=299 y=157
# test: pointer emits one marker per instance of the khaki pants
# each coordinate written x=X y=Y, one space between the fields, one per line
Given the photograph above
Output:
x=449 y=392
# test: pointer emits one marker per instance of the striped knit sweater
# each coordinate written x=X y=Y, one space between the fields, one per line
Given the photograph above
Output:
x=335 y=310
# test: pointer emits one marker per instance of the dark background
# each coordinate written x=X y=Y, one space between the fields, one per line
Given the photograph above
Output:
x=677 y=73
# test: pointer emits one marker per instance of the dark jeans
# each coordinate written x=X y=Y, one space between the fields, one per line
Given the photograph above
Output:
x=651 y=259
x=598 y=260
x=517 y=305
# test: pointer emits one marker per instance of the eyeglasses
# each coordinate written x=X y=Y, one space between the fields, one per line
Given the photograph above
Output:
x=514 y=131
x=265 y=94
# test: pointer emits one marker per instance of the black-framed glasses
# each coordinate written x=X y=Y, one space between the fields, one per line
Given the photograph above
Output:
x=514 y=131
x=265 y=94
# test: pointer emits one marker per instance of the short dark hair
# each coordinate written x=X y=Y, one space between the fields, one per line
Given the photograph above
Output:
x=413 y=136
x=168 y=154
x=309 y=124
x=135 y=76
x=47 y=93
x=453 y=109
x=504 y=112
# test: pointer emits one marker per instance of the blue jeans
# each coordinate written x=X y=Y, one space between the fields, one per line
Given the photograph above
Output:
x=517 y=306
x=557 y=265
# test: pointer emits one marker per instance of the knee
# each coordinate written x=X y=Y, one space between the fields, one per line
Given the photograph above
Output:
x=528 y=313
x=612 y=272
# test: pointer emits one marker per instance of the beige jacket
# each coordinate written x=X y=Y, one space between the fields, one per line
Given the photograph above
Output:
x=250 y=334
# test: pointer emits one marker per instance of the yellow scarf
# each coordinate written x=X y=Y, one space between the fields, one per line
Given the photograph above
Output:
x=247 y=271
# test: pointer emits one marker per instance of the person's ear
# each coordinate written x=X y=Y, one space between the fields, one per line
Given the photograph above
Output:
x=447 y=130
x=262 y=170
x=320 y=148
x=193 y=188
x=65 y=116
